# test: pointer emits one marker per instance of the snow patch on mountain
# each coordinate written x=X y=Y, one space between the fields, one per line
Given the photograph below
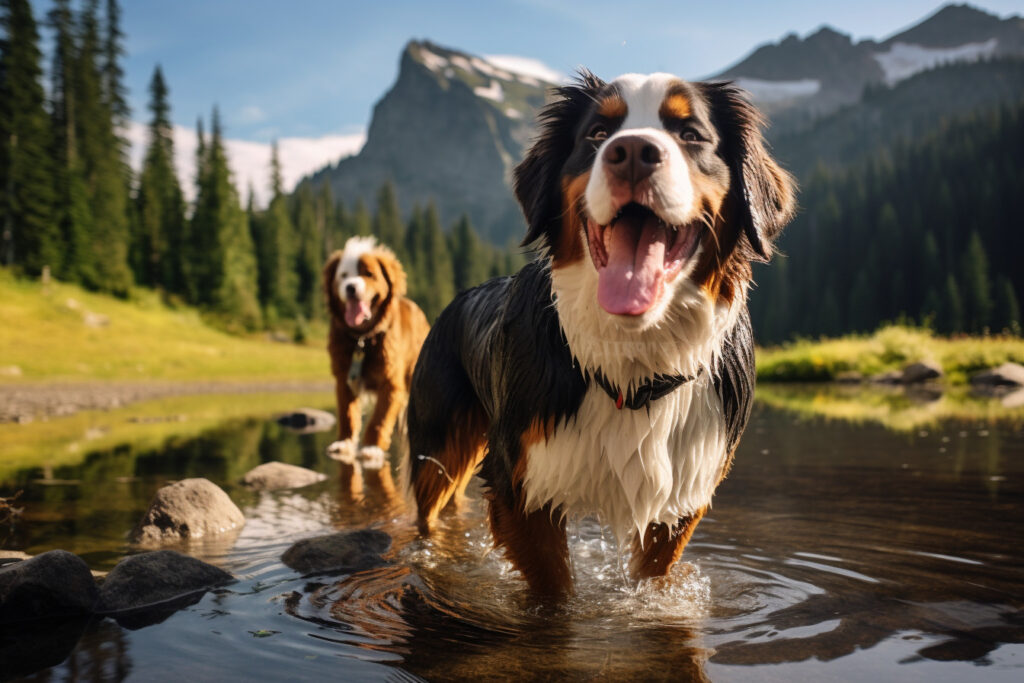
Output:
x=903 y=60
x=770 y=92
x=528 y=70
x=492 y=92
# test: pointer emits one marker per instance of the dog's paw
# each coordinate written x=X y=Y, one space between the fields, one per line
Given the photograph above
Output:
x=373 y=457
x=344 y=451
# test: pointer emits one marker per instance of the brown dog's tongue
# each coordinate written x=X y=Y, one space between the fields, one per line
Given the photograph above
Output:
x=630 y=282
x=356 y=312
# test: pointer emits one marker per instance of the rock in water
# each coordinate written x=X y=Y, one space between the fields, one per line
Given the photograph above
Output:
x=190 y=508
x=344 y=551
x=54 y=584
x=271 y=476
x=1006 y=375
x=924 y=371
x=307 y=420
x=156 y=577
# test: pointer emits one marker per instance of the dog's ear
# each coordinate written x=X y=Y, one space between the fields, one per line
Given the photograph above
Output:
x=328 y=277
x=764 y=192
x=537 y=177
x=392 y=270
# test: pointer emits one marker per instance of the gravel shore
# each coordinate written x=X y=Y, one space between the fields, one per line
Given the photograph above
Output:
x=27 y=402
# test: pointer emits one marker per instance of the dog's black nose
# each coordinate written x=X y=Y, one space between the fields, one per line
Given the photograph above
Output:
x=350 y=291
x=633 y=158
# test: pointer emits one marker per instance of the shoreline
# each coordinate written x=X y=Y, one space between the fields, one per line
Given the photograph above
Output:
x=21 y=403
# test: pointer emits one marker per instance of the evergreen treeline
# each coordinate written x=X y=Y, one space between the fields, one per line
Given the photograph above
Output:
x=69 y=203
x=928 y=231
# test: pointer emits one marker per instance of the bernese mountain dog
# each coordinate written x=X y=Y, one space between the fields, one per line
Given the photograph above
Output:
x=374 y=339
x=613 y=375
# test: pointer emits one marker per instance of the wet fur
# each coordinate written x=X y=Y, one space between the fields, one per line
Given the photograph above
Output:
x=505 y=379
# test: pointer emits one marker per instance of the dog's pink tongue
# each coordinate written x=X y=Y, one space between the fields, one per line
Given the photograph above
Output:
x=356 y=312
x=629 y=284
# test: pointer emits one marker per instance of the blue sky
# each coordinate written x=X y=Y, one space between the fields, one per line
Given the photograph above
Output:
x=310 y=68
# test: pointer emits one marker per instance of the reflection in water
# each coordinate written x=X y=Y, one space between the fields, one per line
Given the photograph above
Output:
x=834 y=550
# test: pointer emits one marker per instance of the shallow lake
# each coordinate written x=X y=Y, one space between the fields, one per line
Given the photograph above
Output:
x=871 y=547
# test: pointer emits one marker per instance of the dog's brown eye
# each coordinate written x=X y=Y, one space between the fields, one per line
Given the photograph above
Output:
x=598 y=132
x=690 y=135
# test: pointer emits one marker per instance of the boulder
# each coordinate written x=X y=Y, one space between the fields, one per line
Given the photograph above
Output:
x=155 y=578
x=190 y=508
x=344 y=551
x=923 y=371
x=1006 y=375
x=54 y=584
x=307 y=420
x=271 y=476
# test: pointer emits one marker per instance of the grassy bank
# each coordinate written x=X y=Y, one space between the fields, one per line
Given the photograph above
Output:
x=146 y=426
x=61 y=332
x=891 y=348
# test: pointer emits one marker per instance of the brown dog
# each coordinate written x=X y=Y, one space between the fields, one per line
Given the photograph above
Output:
x=375 y=337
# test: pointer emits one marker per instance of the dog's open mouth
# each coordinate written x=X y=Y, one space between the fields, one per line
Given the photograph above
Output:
x=635 y=254
x=357 y=312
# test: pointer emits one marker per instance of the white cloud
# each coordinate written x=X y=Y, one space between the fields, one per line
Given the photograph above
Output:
x=526 y=66
x=250 y=161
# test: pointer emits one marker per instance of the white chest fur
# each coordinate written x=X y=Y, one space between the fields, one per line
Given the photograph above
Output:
x=631 y=467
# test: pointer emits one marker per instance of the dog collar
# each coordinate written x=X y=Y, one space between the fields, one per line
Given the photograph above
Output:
x=649 y=390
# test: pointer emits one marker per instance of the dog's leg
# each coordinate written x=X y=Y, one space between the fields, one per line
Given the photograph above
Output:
x=437 y=476
x=534 y=542
x=662 y=546
x=391 y=401
x=349 y=418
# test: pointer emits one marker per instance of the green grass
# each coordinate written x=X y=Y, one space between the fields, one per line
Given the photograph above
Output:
x=46 y=335
x=890 y=348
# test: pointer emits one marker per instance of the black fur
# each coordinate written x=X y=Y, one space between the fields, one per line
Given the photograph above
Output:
x=734 y=380
x=537 y=178
x=764 y=204
x=497 y=347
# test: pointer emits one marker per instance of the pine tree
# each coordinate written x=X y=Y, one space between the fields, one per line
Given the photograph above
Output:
x=72 y=212
x=227 y=282
x=275 y=249
x=439 y=279
x=977 y=287
x=952 y=318
x=102 y=156
x=1007 y=311
x=361 y=220
x=469 y=258
x=159 y=245
x=28 y=234
x=387 y=221
x=416 y=270
x=309 y=255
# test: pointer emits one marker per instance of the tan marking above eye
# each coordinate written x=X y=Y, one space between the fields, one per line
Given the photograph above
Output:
x=612 y=107
x=675 y=106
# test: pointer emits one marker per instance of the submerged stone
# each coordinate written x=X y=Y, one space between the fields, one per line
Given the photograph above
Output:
x=54 y=584
x=344 y=551
x=156 y=578
x=271 y=476
x=190 y=508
